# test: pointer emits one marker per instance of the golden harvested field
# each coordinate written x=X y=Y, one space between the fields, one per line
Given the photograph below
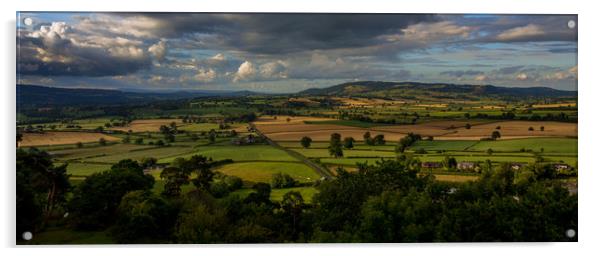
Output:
x=557 y=105
x=280 y=130
x=147 y=125
x=435 y=128
x=515 y=129
x=60 y=138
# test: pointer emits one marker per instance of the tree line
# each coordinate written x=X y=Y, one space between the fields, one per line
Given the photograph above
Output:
x=386 y=202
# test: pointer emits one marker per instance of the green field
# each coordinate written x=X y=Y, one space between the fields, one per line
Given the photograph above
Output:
x=239 y=153
x=87 y=152
x=157 y=152
x=556 y=145
x=194 y=127
x=350 y=161
x=297 y=144
x=263 y=171
x=318 y=153
x=456 y=145
x=86 y=169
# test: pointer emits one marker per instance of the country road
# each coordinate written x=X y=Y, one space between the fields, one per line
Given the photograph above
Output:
x=318 y=168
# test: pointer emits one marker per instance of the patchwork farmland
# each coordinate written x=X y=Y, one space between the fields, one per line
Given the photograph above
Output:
x=266 y=147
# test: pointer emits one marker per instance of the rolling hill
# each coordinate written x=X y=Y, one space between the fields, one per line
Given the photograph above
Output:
x=35 y=95
x=401 y=89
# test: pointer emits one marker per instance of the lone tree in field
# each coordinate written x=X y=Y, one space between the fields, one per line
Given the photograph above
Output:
x=541 y=128
x=531 y=128
x=489 y=151
x=406 y=142
x=212 y=136
x=348 y=142
x=368 y=139
x=306 y=142
x=102 y=141
x=468 y=126
x=496 y=135
x=335 y=148
x=379 y=139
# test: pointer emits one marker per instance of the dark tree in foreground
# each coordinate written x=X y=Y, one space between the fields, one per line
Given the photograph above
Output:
x=41 y=187
x=96 y=199
x=143 y=217
x=174 y=178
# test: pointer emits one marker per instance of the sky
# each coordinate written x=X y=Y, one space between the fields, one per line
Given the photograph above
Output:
x=284 y=53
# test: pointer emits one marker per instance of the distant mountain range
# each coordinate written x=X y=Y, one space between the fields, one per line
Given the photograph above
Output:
x=35 y=95
x=396 y=89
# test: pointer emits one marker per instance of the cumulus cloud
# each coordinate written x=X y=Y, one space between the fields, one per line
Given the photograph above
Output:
x=57 y=49
x=276 y=69
x=159 y=50
x=246 y=71
x=205 y=75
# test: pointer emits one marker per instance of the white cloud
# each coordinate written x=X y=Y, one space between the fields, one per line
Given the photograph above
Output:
x=429 y=32
x=246 y=71
x=521 y=32
x=205 y=75
x=481 y=78
x=522 y=76
x=275 y=69
x=159 y=50
x=218 y=57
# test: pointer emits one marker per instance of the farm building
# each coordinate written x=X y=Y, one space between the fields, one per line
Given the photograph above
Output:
x=516 y=166
x=466 y=165
x=431 y=165
x=561 y=167
x=156 y=167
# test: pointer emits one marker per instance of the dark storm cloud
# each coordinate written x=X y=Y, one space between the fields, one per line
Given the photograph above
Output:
x=283 y=33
